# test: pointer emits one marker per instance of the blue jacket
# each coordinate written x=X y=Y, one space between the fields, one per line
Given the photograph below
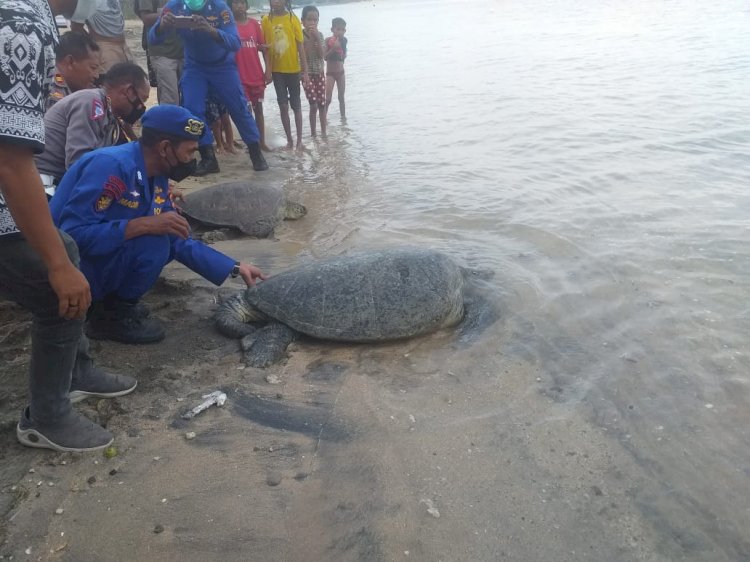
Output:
x=200 y=48
x=105 y=189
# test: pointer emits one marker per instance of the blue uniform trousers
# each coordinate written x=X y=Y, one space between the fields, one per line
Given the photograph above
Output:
x=224 y=82
x=129 y=272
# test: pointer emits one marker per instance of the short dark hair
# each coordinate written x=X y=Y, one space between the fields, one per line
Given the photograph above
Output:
x=77 y=45
x=125 y=73
x=307 y=9
x=151 y=137
x=338 y=21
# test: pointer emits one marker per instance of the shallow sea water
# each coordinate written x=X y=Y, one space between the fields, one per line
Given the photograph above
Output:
x=595 y=156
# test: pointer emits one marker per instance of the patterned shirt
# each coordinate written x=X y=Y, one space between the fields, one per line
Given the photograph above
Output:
x=28 y=37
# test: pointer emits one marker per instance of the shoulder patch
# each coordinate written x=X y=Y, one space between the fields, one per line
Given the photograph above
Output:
x=57 y=94
x=59 y=80
x=97 y=109
x=113 y=189
x=225 y=17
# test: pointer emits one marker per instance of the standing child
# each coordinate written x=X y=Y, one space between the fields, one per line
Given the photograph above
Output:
x=335 y=53
x=283 y=31
x=315 y=90
x=252 y=77
x=217 y=118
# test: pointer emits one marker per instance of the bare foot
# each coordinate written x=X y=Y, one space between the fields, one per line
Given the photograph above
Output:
x=289 y=145
x=218 y=150
x=300 y=147
x=229 y=149
x=264 y=148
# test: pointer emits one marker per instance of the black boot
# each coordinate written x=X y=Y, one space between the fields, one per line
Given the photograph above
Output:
x=208 y=163
x=119 y=320
x=259 y=163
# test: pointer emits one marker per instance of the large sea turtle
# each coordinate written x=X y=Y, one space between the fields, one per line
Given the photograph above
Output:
x=367 y=297
x=253 y=209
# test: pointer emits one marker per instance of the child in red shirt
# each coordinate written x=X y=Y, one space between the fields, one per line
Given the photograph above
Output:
x=252 y=75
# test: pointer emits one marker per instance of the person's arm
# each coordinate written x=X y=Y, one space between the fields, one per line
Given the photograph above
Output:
x=84 y=130
x=303 y=62
x=163 y=26
x=146 y=13
x=265 y=27
x=320 y=45
x=299 y=38
x=225 y=35
x=24 y=195
x=211 y=264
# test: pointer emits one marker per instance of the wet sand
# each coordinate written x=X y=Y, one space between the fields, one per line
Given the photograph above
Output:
x=436 y=448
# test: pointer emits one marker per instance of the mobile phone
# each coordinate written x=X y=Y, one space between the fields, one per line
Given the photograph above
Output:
x=183 y=22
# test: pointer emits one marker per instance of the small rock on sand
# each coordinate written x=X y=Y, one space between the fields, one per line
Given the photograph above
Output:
x=274 y=478
x=158 y=529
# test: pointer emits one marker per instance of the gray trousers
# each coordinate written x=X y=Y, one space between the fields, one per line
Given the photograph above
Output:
x=59 y=350
x=168 y=74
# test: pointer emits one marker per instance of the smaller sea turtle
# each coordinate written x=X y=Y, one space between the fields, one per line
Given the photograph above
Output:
x=368 y=297
x=253 y=209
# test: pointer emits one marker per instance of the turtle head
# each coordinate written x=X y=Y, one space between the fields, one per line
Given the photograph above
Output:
x=249 y=311
x=294 y=211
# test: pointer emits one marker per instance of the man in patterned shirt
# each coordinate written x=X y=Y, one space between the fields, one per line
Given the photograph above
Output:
x=38 y=262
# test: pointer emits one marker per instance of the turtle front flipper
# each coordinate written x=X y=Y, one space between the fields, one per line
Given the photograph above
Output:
x=267 y=345
x=233 y=316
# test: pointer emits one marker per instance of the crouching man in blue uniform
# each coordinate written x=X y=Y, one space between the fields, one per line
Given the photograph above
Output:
x=209 y=33
x=114 y=203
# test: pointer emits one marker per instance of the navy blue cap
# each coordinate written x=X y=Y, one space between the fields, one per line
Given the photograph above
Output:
x=173 y=120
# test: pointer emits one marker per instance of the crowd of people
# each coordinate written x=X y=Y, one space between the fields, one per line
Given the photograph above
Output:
x=87 y=221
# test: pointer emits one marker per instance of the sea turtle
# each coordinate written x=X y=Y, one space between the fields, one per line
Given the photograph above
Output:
x=253 y=209
x=368 y=297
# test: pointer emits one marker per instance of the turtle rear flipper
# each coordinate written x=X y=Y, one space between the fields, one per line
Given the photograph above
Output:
x=268 y=345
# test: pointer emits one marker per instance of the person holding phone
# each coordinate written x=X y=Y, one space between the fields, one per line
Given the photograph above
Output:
x=211 y=41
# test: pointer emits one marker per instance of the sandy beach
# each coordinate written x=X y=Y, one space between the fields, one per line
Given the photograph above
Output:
x=589 y=155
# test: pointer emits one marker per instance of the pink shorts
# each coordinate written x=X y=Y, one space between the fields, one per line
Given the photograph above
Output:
x=254 y=94
x=315 y=91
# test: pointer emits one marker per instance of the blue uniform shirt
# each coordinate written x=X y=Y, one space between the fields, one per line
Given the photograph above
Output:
x=200 y=48
x=105 y=189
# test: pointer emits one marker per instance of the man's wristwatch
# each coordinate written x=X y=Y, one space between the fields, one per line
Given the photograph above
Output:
x=235 y=270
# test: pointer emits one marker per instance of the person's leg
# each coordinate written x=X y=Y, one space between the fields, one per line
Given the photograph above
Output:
x=313 y=117
x=49 y=421
x=226 y=84
x=295 y=102
x=320 y=97
x=282 y=97
x=194 y=87
x=226 y=127
x=118 y=282
x=330 y=83
x=89 y=380
x=341 y=87
x=260 y=120
x=167 y=80
x=312 y=102
x=216 y=131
